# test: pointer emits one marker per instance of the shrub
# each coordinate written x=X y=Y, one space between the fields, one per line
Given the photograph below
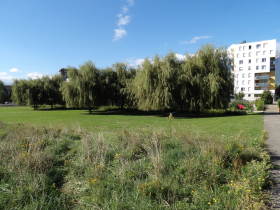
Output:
x=239 y=96
x=233 y=106
x=267 y=97
x=278 y=103
x=260 y=105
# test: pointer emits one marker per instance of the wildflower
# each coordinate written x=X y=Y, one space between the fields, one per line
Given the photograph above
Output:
x=209 y=203
x=228 y=191
x=260 y=188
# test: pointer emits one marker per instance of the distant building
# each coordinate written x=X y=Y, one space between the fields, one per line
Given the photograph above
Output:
x=253 y=67
x=8 y=90
x=63 y=72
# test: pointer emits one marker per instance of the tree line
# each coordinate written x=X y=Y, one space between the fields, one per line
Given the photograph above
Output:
x=200 y=81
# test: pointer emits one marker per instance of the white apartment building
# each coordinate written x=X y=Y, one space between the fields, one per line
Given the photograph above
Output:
x=253 y=67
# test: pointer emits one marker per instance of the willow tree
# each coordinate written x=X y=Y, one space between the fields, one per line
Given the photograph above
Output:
x=83 y=88
x=3 y=95
x=52 y=94
x=125 y=76
x=155 y=83
x=207 y=79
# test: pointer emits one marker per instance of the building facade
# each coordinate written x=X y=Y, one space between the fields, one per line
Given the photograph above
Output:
x=253 y=67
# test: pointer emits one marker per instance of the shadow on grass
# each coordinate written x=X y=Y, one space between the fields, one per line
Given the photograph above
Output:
x=134 y=112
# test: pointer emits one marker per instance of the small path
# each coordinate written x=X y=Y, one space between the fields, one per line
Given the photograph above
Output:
x=272 y=125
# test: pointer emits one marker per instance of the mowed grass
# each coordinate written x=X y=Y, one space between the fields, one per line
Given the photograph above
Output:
x=101 y=121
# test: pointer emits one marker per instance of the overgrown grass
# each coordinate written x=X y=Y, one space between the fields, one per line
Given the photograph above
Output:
x=143 y=168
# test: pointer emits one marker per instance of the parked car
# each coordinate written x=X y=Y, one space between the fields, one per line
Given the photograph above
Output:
x=8 y=102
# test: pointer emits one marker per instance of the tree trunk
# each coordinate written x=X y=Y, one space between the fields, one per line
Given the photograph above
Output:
x=198 y=110
x=162 y=112
x=34 y=106
x=89 y=109
x=51 y=106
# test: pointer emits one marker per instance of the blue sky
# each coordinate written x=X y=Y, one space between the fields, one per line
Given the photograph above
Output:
x=39 y=37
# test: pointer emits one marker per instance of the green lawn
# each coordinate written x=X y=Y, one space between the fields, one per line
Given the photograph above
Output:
x=251 y=125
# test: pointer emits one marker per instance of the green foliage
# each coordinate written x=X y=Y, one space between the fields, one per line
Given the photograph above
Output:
x=278 y=103
x=267 y=97
x=260 y=105
x=240 y=96
x=233 y=106
x=206 y=79
x=3 y=94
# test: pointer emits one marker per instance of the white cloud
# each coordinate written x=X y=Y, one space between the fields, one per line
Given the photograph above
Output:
x=124 y=9
x=119 y=33
x=278 y=31
x=7 y=79
x=130 y=3
x=180 y=56
x=123 y=20
x=3 y=73
x=135 y=62
x=194 y=40
x=165 y=44
x=14 y=70
x=35 y=75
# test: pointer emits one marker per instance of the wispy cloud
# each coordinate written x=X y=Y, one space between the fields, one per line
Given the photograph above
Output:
x=3 y=73
x=6 y=79
x=124 y=9
x=195 y=39
x=119 y=33
x=278 y=31
x=35 y=75
x=135 y=62
x=14 y=70
x=123 y=20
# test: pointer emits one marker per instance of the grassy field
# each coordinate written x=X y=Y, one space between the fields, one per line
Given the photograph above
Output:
x=130 y=161
x=100 y=121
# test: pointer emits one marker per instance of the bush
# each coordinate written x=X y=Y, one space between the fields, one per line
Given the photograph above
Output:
x=233 y=106
x=267 y=97
x=278 y=103
x=260 y=105
x=240 y=96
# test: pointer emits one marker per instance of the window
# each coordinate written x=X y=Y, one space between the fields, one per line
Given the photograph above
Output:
x=244 y=55
x=243 y=82
x=249 y=95
x=250 y=47
x=244 y=48
x=237 y=82
x=249 y=75
x=258 y=53
x=258 y=46
x=263 y=52
x=240 y=48
x=250 y=54
x=240 y=68
x=271 y=51
x=242 y=89
x=257 y=60
x=249 y=61
x=241 y=62
x=257 y=67
x=249 y=68
x=237 y=75
x=237 y=55
x=263 y=59
x=264 y=45
x=263 y=67
x=243 y=75
x=249 y=82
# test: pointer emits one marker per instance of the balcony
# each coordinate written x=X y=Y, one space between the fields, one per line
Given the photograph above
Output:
x=261 y=84
x=261 y=77
x=272 y=68
x=272 y=62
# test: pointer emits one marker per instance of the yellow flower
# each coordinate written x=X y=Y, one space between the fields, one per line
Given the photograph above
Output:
x=228 y=191
x=260 y=188
x=209 y=203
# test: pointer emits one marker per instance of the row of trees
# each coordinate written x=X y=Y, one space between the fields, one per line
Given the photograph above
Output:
x=200 y=81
